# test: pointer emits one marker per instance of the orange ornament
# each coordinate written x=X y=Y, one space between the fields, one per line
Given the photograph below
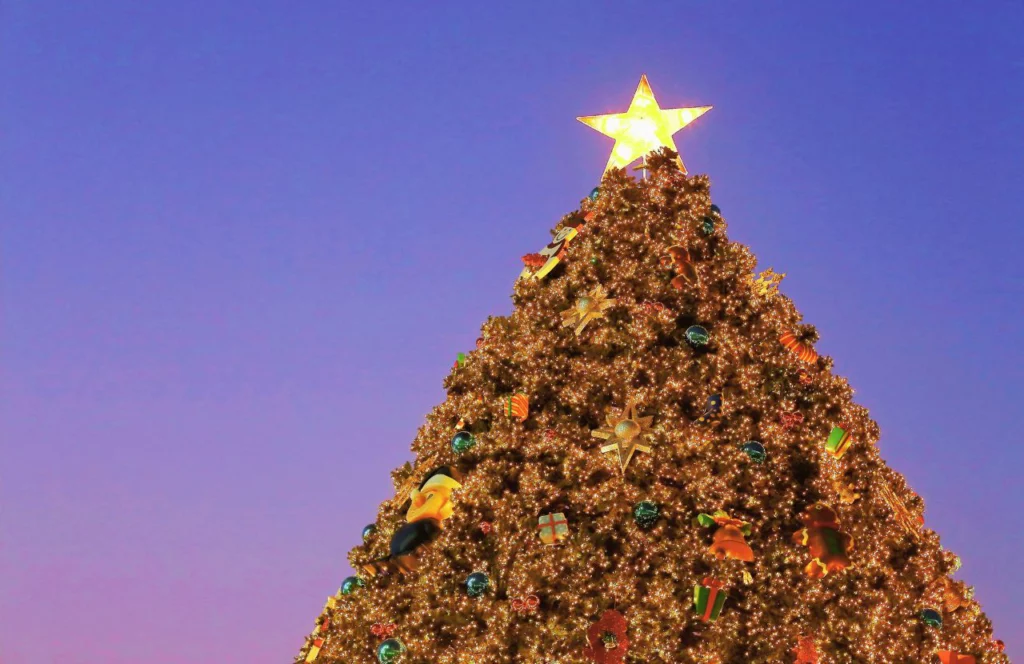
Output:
x=950 y=657
x=518 y=406
x=798 y=348
x=729 y=540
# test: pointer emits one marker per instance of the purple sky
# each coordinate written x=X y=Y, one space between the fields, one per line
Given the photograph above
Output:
x=242 y=243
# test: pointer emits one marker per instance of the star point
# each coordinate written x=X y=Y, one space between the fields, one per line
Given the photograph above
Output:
x=643 y=128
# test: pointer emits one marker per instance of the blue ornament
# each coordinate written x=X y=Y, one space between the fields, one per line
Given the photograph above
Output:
x=368 y=532
x=594 y=193
x=707 y=226
x=711 y=409
x=351 y=584
x=715 y=210
x=645 y=513
x=754 y=450
x=697 y=335
x=932 y=618
x=390 y=651
x=477 y=584
x=462 y=442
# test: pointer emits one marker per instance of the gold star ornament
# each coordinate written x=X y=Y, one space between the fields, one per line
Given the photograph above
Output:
x=624 y=433
x=645 y=127
x=587 y=308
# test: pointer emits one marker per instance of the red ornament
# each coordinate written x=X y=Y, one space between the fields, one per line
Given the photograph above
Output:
x=606 y=639
x=383 y=630
x=805 y=651
x=950 y=657
x=534 y=260
x=652 y=307
x=791 y=420
x=527 y=604
x=549 y=434
x=325 y=624
x=486 y=527
x=1000 y=646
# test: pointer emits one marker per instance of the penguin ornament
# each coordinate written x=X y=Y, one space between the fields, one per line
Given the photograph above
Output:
x=429 y=506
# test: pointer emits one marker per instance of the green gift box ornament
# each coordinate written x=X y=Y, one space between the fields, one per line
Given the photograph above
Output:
x=708 y=598
x=838 y=441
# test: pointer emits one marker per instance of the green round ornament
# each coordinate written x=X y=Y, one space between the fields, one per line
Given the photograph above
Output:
x=932 y=618
x=477 y=584
x=645 y=513
x=594 y=193
x=697 y=335
x=390 y=651
x=754 y=450
x=707 y=226
x=351 y=584
x=462 y=442
x=368 y=531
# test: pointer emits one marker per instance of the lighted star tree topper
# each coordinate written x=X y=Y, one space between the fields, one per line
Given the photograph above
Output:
x=645 y=127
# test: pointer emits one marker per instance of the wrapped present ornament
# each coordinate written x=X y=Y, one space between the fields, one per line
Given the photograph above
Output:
x=553 y=528
x=950 y=657
x=827 y=545
x=838 y=441
x=708 y=599
x=730 y=538
x=314 y=650
x=803 y=351
x=518 y=406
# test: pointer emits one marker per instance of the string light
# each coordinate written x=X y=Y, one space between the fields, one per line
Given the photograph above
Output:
x=550 y=462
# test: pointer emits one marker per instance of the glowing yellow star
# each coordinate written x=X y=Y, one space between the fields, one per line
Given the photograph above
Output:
x=624 y=431
x=643 y=128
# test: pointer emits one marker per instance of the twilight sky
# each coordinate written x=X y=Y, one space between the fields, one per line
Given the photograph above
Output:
x=242 y=242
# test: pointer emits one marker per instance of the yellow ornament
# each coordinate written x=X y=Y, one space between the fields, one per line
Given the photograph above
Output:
x=587 y=308
x=900 y=511
x=767 y=283
x=624 y=431
x=645 y=127
x=846 y=492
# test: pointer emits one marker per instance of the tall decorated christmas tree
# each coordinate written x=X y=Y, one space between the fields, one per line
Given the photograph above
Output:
x=648 y=462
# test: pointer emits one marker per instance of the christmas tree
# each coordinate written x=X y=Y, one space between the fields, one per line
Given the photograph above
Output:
x=647 y=461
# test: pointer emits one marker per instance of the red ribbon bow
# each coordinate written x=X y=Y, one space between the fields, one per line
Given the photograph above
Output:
x=525 y=605
x=712 y=583
x=652 y=307
x=549 y=434
x=790 y=420
x=383 y=630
